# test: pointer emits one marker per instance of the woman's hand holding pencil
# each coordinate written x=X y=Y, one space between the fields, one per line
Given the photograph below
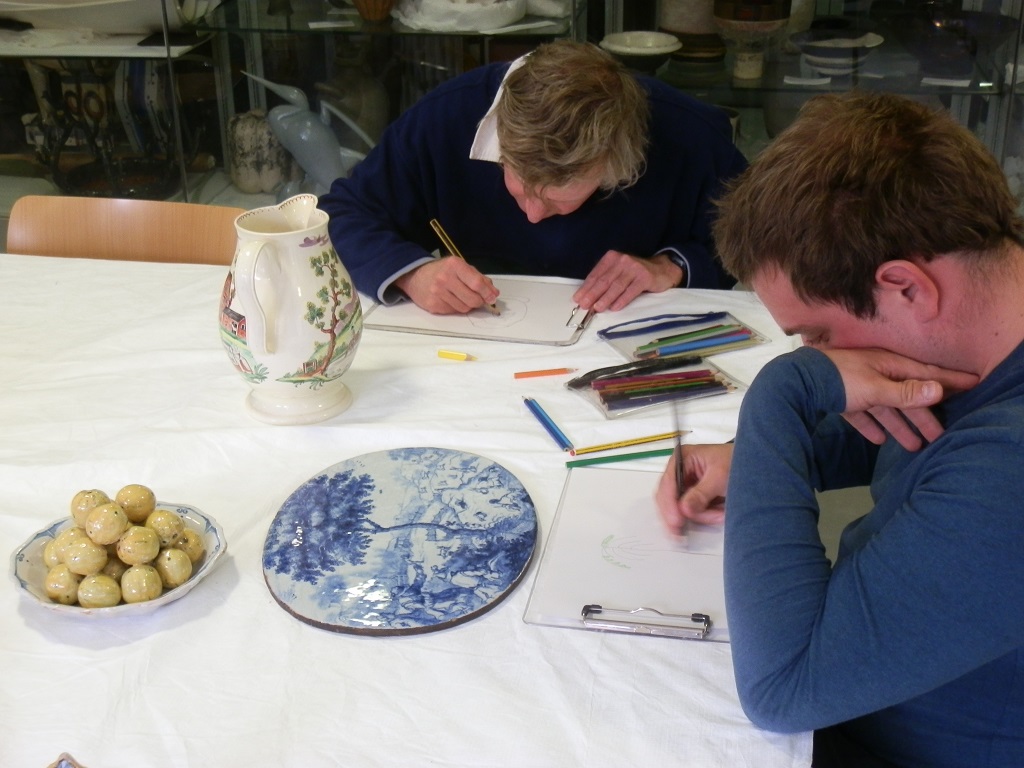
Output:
x=449 y=286
x=453 y=249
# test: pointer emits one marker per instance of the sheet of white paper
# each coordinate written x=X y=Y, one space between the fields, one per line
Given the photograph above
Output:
x=532 y=311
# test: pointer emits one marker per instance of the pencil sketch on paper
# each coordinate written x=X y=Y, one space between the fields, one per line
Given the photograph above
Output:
x=629 y=548
x=617 y=550
x=531 y=311
x=514 y=310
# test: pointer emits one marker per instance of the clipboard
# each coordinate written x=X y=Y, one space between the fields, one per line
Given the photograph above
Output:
x=610 y=565
x=533 y=311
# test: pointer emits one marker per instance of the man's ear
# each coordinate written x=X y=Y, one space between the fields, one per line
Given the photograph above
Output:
x=902 y=285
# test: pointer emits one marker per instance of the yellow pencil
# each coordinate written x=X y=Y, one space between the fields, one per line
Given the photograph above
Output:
x=625 y=443
x=448 y=243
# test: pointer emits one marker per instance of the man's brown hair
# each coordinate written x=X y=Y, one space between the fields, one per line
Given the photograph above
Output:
x=859 y=179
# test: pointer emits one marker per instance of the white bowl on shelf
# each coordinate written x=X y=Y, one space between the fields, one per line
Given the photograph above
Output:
x=640 y=49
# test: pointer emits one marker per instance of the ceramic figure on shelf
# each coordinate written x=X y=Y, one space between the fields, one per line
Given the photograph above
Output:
x=257 y=160
x=313 y=144
x=290 y=318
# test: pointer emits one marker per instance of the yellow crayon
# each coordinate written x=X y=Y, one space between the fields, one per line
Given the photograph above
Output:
x=448 y=354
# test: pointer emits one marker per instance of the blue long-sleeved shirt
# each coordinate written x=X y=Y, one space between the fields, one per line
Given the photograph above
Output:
x=915 y=639
x=421 y=170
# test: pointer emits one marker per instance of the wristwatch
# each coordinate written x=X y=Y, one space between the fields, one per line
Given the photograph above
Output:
x=680 y=261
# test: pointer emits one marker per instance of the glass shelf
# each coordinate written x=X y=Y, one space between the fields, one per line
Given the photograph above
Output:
x=27 y=45
x=320 y=17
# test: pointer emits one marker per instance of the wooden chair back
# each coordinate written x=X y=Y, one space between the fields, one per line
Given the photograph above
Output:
x=117 y=228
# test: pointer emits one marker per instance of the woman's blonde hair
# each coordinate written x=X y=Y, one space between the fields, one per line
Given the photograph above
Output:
x=569 y=109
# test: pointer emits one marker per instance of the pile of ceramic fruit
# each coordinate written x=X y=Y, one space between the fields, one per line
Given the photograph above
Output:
x=118 y=550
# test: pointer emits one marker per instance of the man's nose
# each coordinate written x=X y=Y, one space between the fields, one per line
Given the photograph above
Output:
x=536 y=210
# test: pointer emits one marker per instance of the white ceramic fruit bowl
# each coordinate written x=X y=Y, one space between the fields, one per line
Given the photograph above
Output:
x=29 y=571
x=640 y=49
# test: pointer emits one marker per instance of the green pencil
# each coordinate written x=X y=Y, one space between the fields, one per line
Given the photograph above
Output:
x=619 y=457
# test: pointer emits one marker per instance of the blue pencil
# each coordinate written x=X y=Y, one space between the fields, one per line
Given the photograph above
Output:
x=552 y=429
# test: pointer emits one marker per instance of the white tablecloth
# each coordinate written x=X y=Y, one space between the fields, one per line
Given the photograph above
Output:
x=113 y=373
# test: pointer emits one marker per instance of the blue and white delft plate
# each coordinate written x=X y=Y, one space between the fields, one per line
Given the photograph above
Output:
x=400 y=542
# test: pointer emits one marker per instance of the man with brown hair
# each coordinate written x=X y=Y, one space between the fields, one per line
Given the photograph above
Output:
x=562 y=163
x=885 y=235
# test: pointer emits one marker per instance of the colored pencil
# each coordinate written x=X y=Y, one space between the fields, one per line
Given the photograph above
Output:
x=680 y=469
x=620 y=393
x=638 y=366
x=620 y=382
x=713 y=331
x=666 y=397
x=552 y=429
x=448 y=243
x=691 y=346
x=625 y=443
x=544 y=372
x=619 y=457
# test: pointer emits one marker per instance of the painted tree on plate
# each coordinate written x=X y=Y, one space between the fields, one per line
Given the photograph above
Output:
x=324 y=523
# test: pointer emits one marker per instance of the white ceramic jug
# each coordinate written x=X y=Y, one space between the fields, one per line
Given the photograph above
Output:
x=290 y=318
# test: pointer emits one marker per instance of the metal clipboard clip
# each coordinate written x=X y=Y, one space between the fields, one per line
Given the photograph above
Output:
x=582 y=324
x=647 y=621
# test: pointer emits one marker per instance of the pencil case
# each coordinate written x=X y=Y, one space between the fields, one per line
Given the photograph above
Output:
x=680 y=335
x=620 y=392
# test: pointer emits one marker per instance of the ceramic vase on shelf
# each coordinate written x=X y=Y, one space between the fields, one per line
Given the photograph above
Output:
x=290 y=318
x=748 y=27
x=693 y=22
x=374 y=10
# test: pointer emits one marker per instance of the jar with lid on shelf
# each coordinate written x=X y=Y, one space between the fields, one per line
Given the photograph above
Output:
x=748 y=26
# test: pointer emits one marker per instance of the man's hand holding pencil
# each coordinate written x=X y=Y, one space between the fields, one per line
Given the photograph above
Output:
x=705 y=476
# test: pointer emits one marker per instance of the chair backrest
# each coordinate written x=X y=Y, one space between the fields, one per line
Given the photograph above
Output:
x=117 y=228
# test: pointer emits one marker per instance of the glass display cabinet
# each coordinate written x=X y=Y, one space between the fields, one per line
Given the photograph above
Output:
x=74 y=101
x=960 y=56
x=359 y=75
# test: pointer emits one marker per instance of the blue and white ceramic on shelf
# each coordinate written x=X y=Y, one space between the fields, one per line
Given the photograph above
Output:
x=402 y=541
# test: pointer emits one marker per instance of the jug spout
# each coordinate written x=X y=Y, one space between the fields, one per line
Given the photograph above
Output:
x=300 y=211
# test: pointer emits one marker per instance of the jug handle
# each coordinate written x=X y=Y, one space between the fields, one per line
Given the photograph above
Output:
x=246 y=259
